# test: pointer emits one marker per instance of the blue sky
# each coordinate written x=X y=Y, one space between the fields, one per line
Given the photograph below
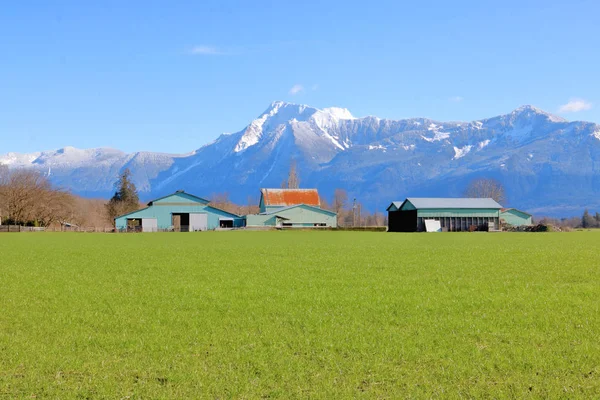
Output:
x=172 y=76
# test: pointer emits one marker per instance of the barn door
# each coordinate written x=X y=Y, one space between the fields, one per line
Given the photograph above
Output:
x=177 y=222
x=198 y=222
x=149 y=225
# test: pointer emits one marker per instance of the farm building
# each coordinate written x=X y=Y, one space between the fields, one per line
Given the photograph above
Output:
x=514 y=217
x=181 y=212
x=443 y=214
x=291 y=208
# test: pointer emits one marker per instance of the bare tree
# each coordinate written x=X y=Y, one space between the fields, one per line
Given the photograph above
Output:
x=221 y=201
x=29 y=198
x=3 y=174
x=55 y=207
x=3 y=182
x=325 y=204
x=88 y=213
x=22 y=193
x=340 y=200
x=486 y=187
x=252 y=206
x=293 y=181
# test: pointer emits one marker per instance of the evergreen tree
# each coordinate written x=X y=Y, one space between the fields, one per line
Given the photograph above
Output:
x=587 y=221
x=126 y=197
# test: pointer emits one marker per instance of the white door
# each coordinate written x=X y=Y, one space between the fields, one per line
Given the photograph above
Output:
x=198 y=222
x=149 y=225
x=432 y=225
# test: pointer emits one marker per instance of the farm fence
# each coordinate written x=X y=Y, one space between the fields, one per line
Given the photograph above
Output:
x=20 y=228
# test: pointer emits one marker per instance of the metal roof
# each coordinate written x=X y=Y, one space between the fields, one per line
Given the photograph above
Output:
x=131 y=212
x=290 y=197
x=396 y=204
x=190 y=196
x=223 y=211
x=465 y=202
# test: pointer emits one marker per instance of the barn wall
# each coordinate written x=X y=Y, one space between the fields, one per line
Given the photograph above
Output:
x=459 y=212
x=402 y=221
x=301 y=215
x=309 y=216
x=516 y=218
x=163 y=215
x=260 y=220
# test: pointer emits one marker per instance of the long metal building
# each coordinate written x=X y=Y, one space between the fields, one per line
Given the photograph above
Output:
x=180 y=212
x=444 y=214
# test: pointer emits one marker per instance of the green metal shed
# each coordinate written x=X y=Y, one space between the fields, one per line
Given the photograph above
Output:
x=297 y=216
x=179 y=211
x=514 y=217
x=450 y=214
x=291 y=208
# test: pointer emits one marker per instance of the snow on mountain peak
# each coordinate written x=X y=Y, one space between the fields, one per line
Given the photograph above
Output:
x=338 y=113
x=18 y=160
x=303 y=111
x=280 y=112
x=288 y=109
x=529 y=110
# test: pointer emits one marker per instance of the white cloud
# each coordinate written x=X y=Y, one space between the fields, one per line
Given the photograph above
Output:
x=297 y=88
x=456 y=99
x=206 y=51
x=315 y=87
x=575 y=105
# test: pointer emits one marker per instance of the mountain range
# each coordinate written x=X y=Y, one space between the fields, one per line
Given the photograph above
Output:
x=547 y=164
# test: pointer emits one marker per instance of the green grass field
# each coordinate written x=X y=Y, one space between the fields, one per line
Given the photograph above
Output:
x=300 y=314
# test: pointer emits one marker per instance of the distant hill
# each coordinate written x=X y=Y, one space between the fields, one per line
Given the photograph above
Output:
x=548 y=165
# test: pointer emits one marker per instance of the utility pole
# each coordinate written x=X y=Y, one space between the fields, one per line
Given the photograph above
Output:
x=354 y=213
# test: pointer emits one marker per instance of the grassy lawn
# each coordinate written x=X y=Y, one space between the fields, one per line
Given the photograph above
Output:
x=300 y=314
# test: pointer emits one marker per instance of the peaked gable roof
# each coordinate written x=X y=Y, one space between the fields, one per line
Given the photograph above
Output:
x=290 y=197
x=131 y=212
x=395 y=206
x=439 y=202
x=180 y=194
x=224 y=211
x=514 y=210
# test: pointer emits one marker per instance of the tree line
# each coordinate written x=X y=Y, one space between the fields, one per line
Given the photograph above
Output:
x=586 y=221
x=590 y=221
x=28 y=198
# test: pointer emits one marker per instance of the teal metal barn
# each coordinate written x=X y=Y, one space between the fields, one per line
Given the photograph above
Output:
x=291 y=208
x=446 y=214
x=180 y=212
x=514 y=217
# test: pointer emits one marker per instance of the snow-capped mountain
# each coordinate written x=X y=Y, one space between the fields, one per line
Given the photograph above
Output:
x=547 y=164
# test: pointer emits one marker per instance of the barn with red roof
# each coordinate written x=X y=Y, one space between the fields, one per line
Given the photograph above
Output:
x=291 y=208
